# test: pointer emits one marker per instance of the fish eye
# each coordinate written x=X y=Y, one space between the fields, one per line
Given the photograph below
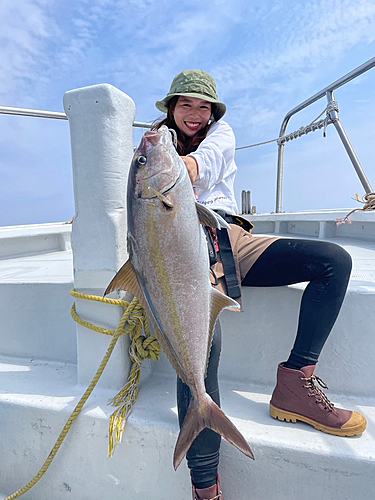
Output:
x=142 y=160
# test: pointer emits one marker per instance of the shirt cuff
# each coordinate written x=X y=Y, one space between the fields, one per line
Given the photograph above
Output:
x=201 y=169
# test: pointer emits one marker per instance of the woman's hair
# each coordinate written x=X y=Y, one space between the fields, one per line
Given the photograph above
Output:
x=185 y=144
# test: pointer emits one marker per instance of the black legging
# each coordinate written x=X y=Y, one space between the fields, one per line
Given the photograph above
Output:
x=203 y=455
x=327 y=267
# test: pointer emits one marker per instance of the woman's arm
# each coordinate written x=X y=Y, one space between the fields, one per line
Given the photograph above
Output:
x=192 y=167
x=214 y=157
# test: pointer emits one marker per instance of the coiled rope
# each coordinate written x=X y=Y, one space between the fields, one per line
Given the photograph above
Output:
x=142 y=347
x=368 y=201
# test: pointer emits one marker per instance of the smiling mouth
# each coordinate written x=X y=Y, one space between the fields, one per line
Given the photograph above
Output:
x=192 y=124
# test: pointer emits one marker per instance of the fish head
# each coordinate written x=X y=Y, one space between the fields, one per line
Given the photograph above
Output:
x=156 y=166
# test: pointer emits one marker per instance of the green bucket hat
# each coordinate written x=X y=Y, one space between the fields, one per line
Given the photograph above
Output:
x=194 y=83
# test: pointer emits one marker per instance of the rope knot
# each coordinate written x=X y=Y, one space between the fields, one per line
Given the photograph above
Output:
x=147 y=347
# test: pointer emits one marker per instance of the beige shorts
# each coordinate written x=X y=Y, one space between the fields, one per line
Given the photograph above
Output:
x=246 y=250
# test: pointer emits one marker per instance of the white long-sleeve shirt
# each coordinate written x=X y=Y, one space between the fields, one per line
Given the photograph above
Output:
x=217 y=168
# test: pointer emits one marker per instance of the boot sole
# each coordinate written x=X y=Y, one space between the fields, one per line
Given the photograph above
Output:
x=293 y=417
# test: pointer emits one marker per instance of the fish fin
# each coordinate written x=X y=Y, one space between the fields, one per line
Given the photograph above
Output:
x=219 y=301
x=161 y=197
x=126 y=279
x=205 y=413
x=208 y=217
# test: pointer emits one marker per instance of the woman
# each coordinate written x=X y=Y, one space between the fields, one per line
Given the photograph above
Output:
x=207 y=146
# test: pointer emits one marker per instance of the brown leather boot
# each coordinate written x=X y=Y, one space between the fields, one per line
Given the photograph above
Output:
x=211 y=493
x=297 y=396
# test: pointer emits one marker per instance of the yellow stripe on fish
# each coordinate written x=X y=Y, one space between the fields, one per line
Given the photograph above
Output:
x=163 y=277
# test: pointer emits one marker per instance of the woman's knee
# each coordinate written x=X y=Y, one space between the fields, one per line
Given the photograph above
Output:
x=339 y=258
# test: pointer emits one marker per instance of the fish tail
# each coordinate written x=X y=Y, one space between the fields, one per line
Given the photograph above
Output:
x=206 y=414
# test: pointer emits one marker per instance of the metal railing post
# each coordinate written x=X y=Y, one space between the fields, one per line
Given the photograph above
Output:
x=334 y=115
x=279 y=178
x=330 y=88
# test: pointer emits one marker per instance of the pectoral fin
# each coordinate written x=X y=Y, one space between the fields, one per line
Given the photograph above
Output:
x=161 y=197
x=208 y=217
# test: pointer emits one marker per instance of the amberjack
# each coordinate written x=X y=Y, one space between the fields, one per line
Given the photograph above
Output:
x=168 y=271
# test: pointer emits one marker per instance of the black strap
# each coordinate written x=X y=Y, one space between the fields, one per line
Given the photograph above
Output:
x=237 y=220
x=233 y=287
x=210 y=246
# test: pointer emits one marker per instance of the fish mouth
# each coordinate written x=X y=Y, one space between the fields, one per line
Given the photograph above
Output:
x=155 y=138
x=159 y=179
x=150 y=140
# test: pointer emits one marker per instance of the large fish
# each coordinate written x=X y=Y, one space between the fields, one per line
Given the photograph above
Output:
x=168 y=271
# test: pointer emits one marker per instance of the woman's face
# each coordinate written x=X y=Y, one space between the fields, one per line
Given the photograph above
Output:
x=191 y=114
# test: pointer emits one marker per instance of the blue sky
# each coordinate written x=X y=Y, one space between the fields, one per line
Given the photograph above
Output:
x=266 y=56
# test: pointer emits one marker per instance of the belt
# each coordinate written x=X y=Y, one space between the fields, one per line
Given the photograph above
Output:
x=227 y=258
x=236 y=219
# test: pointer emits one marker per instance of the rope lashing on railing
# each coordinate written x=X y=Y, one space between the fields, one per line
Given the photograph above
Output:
x=331 y=106
x=312 y=127
x=142 y=347
x=305 y=130
x=368 y=201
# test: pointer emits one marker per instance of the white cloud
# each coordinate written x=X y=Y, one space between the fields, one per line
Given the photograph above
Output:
x=26 y=28
x=311 y=35
x=265 y=55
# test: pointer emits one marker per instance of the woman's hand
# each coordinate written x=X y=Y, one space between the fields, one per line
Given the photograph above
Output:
x=192 y=167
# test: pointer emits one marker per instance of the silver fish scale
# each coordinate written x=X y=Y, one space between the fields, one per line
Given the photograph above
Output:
x=168 y=269
x=169 y=253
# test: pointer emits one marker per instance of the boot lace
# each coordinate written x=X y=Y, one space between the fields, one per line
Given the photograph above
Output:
x=313 y=384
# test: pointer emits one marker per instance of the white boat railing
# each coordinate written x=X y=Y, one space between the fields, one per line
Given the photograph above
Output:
x=332 y=117
x=4 y=110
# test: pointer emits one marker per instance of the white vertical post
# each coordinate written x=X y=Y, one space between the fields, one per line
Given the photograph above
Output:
x=100 y=119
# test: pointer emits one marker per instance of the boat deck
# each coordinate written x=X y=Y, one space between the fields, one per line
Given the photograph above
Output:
x=39 y=389
x=57 y=266
x=42 y=395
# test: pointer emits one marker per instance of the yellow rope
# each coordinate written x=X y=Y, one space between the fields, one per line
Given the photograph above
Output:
x=143 y=347
x=97 y=298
